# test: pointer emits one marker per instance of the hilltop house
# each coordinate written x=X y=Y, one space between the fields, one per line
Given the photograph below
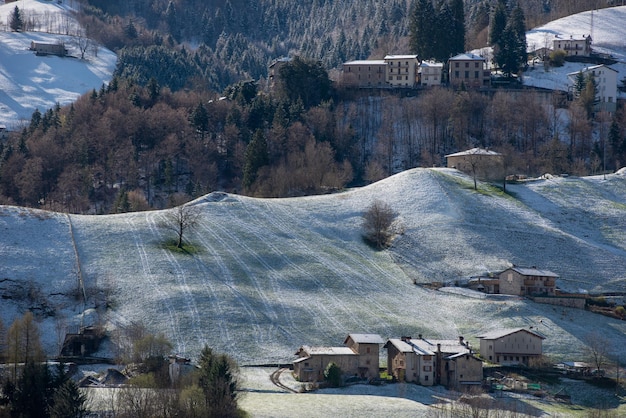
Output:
x=606 y=82
x=274 y=70
x=469 y=70
x=359 y=357
x=573 y=47
x=511 y=346
x=391 y=71
x=42 y=48
x=482 y=163
x=432 y=362
x=525 y=281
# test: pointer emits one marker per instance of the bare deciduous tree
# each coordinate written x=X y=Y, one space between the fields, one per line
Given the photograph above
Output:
x=180 y=219
x=378 y=220
x=597 y=349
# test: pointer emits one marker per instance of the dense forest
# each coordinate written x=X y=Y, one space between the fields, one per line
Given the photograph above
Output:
x=190 y=110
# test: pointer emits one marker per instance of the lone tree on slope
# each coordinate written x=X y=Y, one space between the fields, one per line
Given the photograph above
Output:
x=378 y=220
x=180 y=219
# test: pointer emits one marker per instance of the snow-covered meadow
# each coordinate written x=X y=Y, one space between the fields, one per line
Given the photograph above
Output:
x=28 y=81
x=274 y=274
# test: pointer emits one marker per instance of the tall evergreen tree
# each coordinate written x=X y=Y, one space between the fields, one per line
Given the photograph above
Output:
x=421 y=26
x=256 y=157
x=499 y=18
x=457 y=32
x=16 y=22
x=517 y=27
x=219 y=383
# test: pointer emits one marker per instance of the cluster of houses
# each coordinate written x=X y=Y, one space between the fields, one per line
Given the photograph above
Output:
x=424 y=361
x=407 y=71
x=472 y=71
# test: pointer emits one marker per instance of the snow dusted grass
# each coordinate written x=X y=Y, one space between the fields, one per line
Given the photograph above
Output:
x=29 y=82
x=260 y=398
x=274 y=274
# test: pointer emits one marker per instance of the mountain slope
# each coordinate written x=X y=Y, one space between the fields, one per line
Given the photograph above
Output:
x=273 y=274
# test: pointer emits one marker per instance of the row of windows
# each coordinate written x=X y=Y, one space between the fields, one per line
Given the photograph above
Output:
x=467 y=64
x=467 y=74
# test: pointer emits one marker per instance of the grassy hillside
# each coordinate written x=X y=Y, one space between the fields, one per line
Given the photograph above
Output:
x=273 y=274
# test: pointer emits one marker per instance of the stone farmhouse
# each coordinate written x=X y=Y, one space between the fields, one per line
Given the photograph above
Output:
x=517 y=346
x=358 y=357
x=606 y=82
x=427 y=362
x=524 y=281
x=469 y=70
x=574 y=47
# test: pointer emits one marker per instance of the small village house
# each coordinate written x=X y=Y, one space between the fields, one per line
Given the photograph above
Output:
x=573 y=47
x=517 y=346
x=430 y=73
x=365 y=73
x=428 y=362
x=402 y=70
x=482 y=163
x=606 y=82
x=359 y=357
x=524 y=281
x=469 y=70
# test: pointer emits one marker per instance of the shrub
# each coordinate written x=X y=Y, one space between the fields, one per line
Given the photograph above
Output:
x=557 y=58
x=332 y=375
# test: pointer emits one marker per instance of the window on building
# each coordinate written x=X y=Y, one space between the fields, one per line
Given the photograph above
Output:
x=456 y=74
x=456 y=65
x=467 y=65
x=426 y=378
x=467 y=74
x=368 y=350
x=475 y=74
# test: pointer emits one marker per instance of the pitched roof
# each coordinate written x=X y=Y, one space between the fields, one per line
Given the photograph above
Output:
x=593 y=67
x=474 y=151
x=365 y=338
x=328 y=351
x=402 y=346
x=494 y=335
x=400 y=57
x=467 y=57
x=431 y=64
x=365 y=62
x=532 y=271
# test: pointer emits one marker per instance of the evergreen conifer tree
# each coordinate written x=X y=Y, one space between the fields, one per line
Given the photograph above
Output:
x=16 y=22
x=256 y=156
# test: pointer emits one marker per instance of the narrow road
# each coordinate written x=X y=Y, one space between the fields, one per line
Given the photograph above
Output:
x=275 y=378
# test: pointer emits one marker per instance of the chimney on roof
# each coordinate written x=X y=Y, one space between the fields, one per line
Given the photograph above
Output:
x=405 y=338
x=419 y=336
x=461 y=340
